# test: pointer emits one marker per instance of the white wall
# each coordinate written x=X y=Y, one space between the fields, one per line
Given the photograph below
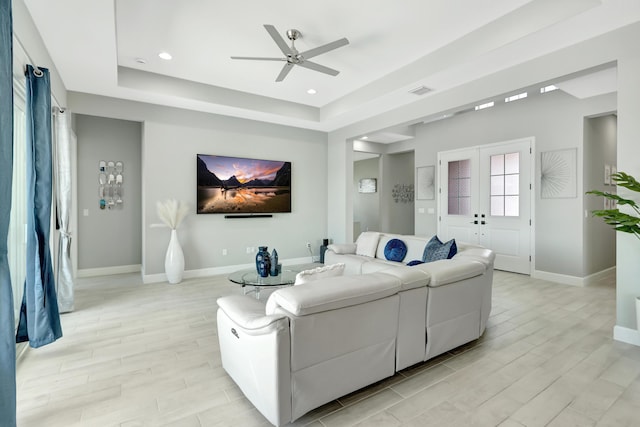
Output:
x=548 y=68
x=555 y=120
x=628 y=247
x=109 y=237
x=170 y=141
x=600 y=137
x=30 y=48
x=617 y=46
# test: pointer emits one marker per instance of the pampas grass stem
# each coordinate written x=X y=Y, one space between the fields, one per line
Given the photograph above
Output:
x=172 y=212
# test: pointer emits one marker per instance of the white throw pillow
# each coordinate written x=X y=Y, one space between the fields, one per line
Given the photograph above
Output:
x=367 y=243
x=307 y=276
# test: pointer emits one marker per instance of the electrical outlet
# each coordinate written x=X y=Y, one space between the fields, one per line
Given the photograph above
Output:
x=224 y=252
x=308 y=245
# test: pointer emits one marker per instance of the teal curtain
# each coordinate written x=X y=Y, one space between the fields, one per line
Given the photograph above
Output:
x=7 y=321
x=39 y=317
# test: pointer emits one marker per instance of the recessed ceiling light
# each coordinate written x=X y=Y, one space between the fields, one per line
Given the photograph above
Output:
x=141 y=60
x=312 y=92
x=165 y=55
x=365 y=137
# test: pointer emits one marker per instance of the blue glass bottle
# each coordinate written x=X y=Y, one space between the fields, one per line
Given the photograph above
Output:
x=263 y=264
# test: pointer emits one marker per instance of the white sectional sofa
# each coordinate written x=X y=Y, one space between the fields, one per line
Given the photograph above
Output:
x=458 y=301
x=313 y=343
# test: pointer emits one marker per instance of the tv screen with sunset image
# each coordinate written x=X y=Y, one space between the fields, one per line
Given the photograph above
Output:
x=231 y=185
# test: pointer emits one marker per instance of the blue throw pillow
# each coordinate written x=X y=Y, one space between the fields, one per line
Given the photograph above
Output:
x=395 y=250
x=415 y=262
x=436 y=250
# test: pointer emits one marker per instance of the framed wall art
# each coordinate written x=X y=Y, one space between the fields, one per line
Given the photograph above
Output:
x=558 y=174
x=367 y=185
x=426 y=185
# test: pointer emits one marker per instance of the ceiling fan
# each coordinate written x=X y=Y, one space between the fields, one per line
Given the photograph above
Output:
x=293 y=57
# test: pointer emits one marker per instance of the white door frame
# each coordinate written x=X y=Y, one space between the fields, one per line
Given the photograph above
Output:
x=532 y=193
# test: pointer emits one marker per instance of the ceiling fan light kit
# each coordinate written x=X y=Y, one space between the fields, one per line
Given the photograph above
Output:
x=293 y=57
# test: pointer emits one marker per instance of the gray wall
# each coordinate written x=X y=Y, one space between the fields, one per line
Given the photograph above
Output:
x=397 y=217
x=170 y=141
x=555 y=120
x=108 y=238
x=366 y=206
x=600 y=139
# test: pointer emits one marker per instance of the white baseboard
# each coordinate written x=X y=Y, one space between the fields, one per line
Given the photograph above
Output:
x=215 y=271
x=108 y=271
x=573 y=280
x=559 y=278
x=596 y=277
x=630 y=336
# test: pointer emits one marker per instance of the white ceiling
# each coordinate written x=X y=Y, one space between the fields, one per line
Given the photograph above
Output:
x=394 y=47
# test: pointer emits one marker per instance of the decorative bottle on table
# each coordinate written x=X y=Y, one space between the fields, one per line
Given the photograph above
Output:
x=263 y=261
x=323 y=249
x=274 y=263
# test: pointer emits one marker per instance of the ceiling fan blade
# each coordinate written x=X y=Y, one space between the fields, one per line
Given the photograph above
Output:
x=275 y=35
x=317 y=67
x=285 y=70
x=324 y=48
x=258 y=58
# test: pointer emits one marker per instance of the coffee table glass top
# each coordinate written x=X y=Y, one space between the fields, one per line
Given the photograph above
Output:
x=251 y=277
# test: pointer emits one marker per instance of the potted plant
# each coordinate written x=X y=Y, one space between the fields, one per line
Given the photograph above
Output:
x=620 y=221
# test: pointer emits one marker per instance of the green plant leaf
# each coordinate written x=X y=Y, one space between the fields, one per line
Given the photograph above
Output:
x=627 y=181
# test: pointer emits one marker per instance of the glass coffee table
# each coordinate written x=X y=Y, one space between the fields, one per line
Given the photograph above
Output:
x=250 y=277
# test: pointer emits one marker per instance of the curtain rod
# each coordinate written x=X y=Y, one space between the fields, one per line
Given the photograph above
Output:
x=24 y=51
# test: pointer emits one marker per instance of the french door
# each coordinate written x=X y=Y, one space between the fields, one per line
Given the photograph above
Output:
x=485 y=198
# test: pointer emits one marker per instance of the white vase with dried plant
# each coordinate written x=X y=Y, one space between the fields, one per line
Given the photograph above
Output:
x=172 y=213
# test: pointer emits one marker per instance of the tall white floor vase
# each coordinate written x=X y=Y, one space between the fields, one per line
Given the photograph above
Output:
x=174 y=260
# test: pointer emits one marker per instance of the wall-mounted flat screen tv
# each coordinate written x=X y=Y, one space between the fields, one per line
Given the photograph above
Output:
x=236 y=185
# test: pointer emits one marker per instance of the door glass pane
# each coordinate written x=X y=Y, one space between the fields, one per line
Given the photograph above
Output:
x=454 y=170
x=464 y=186
x=512 y=206
x=497 y=205
x=497 y=185
x=505 y=180
x=453 y=188
x=459 y=191
x=512 y=163
x=512 y=185
x=465 y=168
x=453 y=206
x=465 y=206
x=497 y=164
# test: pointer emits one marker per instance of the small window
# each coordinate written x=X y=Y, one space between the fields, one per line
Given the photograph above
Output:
x=485 y=105
x=516 y=97
x=549 y=88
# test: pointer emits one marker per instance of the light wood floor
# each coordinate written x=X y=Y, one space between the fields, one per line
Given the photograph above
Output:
x=144 y=355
